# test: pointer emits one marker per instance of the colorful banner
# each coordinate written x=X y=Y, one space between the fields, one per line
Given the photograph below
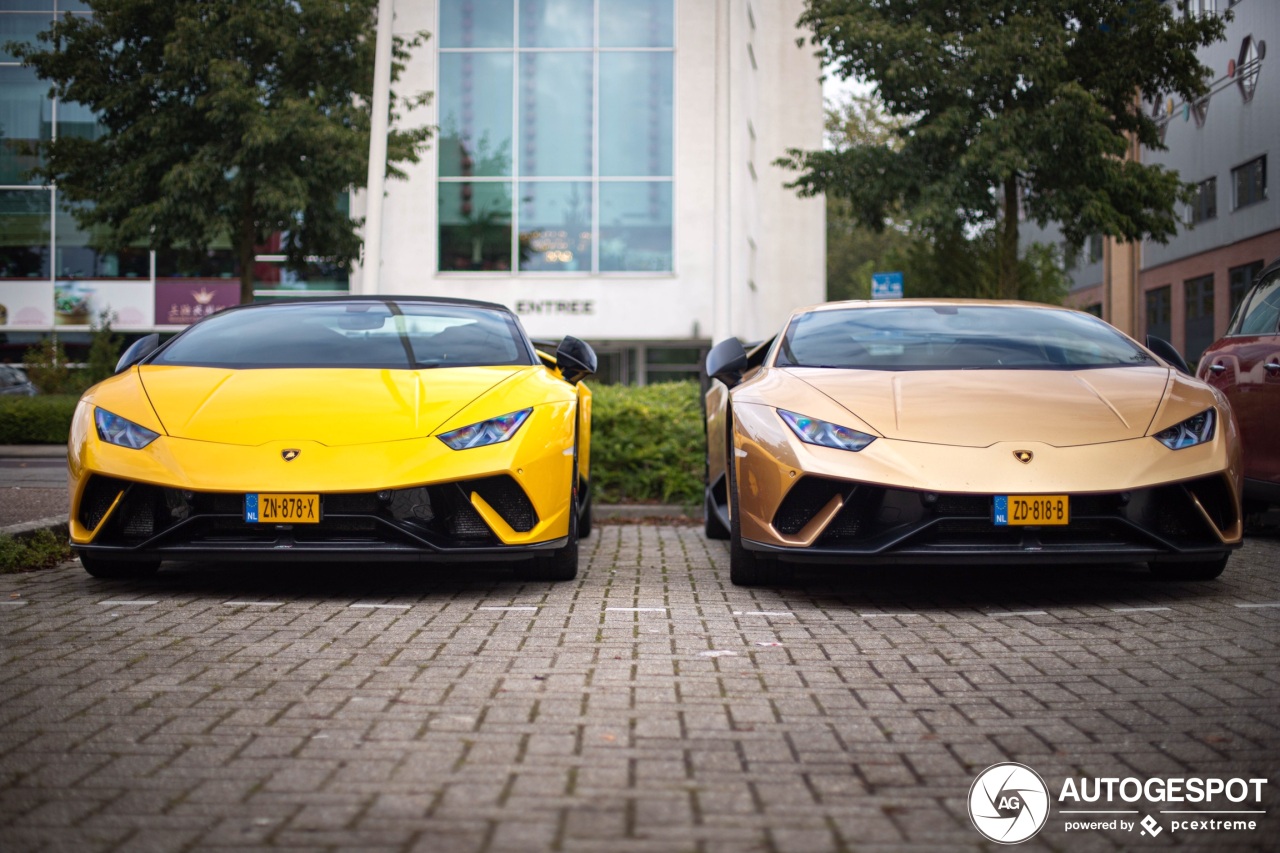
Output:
x=182 y=301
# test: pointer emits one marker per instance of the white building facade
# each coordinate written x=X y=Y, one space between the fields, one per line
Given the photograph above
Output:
x=605 y=168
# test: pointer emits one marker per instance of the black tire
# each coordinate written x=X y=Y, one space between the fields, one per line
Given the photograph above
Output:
x=712 y=526
x=1199 y=570
x=749 y=568
x=561 y=564
x=585 y=522
x=115 y=569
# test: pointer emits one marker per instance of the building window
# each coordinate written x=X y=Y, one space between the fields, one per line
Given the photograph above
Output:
x=1159 y=313
x=25 y=229
x=1199 y=316
x=1205 y=206
x=1249 y=183
x=1095 y=248
x=1239 y=279
x=1094 y=308
x=556 y=136
x=1248 y=68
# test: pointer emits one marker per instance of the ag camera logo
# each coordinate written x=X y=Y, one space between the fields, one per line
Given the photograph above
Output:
x=1008 y=803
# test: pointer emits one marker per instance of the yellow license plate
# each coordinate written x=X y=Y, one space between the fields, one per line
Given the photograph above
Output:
x=282 y=509
x=1031 y=510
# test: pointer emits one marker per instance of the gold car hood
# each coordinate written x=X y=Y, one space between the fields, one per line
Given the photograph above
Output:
x=977 y=408
x=332 y=406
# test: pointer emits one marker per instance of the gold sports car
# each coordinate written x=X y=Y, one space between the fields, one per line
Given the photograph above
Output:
x=343 y=429
x=973 y=432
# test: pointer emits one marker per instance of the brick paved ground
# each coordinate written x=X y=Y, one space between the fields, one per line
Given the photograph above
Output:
x=648 y=706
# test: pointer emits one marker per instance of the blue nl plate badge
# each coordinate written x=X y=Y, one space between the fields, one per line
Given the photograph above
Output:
x=251 y=508
x=1001 y=513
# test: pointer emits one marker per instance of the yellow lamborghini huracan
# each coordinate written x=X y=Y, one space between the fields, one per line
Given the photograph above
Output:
x=353 y=429
x=966 y=432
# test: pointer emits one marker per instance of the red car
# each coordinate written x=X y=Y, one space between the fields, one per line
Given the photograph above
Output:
x=1245 y=365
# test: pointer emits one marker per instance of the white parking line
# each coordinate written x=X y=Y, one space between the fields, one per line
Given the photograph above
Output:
x=1002 y=614
x=506 y=608
x=1262 y=604
x=763 y=613
x=1139 y=609
x=379 y=606
x=637 y=609
x=253 y=603
x=126 y=603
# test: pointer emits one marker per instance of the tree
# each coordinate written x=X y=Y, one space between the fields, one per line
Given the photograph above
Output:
x=938 y=259
x=1009 y=103
x=220 y=119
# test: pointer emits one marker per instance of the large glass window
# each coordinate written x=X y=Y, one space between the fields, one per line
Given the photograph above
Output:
x=1199 y=317
x=1160 y=312
x=20 y=27
x=555 y=225
x=25 y=218
x=1239 y=279
x=1250 y=182
x=475 y=226
x=26 y=117
x=570 y=103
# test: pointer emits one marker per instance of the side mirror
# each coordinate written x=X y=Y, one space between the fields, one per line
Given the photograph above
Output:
x=727 y=361
x=137 y=351
x=1166 y=350
x=576 y=359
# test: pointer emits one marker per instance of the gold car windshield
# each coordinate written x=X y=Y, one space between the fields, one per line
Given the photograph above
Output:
x=384 y=333
x=954 y=337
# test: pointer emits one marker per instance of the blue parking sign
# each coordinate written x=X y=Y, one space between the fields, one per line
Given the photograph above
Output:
x=886 y=285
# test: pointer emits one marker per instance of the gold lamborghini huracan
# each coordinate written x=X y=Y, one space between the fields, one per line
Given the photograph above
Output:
x=970 y=432
x=343 y=429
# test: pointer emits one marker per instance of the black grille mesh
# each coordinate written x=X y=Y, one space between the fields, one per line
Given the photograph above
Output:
x=802 y=503
x=508 y=500
x=99 y=494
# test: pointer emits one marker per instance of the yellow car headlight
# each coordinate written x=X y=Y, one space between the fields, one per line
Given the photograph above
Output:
x=119 y=431
x=493 y=431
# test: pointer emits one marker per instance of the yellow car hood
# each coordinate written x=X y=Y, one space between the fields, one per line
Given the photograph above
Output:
x=332 y=406
x=977 y=408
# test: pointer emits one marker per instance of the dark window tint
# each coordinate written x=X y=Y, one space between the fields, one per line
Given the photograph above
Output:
x=1261 y=312
x=950 y=337
x=1250 y=182
x=385 y=334
x=1239 y=279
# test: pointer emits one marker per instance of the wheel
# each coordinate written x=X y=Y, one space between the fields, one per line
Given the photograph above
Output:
x=712 y=526
x=748 y=568
x=584 y=520
x=115 y=569
x=562 y=563
x=1199 y=570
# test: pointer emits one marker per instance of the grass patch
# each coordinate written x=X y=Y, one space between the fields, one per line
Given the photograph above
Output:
x=39 y=549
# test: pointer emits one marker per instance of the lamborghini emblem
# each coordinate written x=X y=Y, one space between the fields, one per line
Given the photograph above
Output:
x=290 y=455
x=1023 y=456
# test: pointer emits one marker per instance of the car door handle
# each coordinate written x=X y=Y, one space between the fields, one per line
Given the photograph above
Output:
x=1217 y=368
x=1272 y=365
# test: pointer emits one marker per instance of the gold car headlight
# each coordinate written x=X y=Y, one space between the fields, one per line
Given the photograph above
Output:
x=1196 y=429
x=824 y=434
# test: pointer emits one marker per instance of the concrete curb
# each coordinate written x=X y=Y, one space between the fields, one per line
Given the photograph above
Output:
x=33 y=451
x=27 y=528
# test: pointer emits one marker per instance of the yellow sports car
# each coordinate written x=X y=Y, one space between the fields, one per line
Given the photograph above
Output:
x=971 y=432
x=352 y=429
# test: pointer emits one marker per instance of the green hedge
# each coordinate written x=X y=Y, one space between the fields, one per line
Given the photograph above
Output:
x=44 y=419
x=647 y=444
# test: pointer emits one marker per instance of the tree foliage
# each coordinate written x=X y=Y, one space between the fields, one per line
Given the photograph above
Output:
x=1008 y=103
x=219 y=118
